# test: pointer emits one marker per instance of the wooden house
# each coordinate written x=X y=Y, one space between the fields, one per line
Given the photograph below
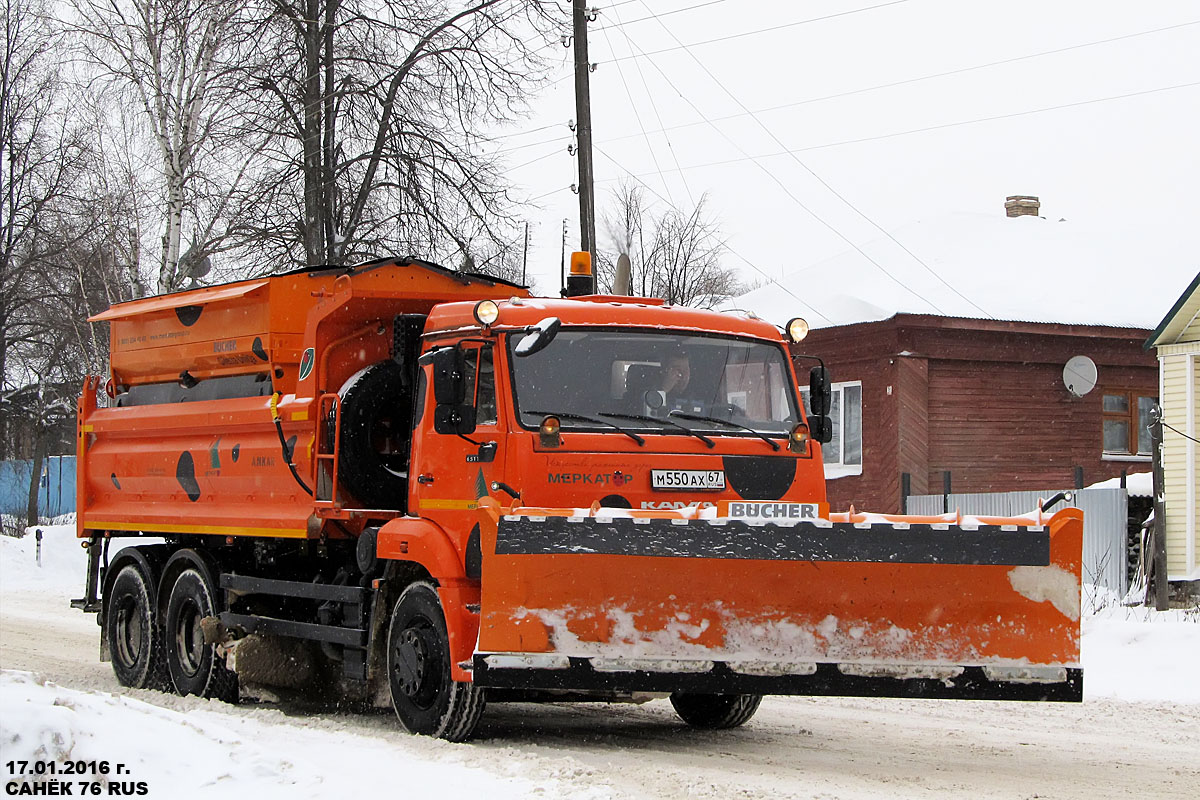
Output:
x=926 y=403
x=949 y=342
x=1177 y=342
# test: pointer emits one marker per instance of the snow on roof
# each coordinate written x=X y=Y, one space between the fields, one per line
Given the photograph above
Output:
x=1025 y=269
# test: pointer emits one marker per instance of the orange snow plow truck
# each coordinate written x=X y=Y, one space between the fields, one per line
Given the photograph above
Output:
x=428 y=488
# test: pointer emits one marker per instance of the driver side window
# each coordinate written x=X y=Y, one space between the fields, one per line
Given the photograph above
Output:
x=479 y=376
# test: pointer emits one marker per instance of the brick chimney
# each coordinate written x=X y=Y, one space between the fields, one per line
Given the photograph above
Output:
x=1020 y=205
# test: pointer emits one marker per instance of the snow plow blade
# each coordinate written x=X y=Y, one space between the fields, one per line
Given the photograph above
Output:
x=658 y=601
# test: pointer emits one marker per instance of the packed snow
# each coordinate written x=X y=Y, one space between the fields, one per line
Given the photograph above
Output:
x=187 y=747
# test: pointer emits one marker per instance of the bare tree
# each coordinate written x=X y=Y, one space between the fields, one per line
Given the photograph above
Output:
x=504 y=260
x=42 y=158
x=175 y=60
x=675 y=256
x=375 y=108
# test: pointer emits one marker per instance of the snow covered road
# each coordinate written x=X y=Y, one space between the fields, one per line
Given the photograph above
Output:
x=794 y=747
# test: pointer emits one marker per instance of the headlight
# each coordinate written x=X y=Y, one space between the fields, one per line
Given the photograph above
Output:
x=797 y=329
x=486 y=312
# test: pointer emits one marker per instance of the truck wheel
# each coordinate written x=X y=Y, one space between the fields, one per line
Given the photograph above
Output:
x=130 y=629
x=715 y=711
x=194 y=666
x=376 y=429
x=425 y=698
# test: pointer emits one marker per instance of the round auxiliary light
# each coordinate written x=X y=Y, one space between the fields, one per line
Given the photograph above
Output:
x=550 y=427
x=797 y=329
x=486 y=312
x=799 y=435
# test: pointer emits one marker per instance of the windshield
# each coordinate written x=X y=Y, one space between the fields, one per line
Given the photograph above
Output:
x=665 y=376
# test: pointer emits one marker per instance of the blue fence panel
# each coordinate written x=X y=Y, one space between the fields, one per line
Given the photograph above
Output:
x=56 y=495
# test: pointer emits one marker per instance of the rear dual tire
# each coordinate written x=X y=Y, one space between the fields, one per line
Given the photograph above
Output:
x=131 y=630
x=194 y=666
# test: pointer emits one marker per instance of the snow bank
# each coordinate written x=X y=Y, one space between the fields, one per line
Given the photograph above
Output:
x=63 y=565
x=209 y=754
x=1139 y=654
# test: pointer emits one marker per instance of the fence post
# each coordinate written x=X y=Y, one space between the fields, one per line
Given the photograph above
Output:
x=946 y=492
x=905 y=491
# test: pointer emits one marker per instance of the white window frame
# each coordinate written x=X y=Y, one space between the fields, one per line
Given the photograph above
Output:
x=837 y=467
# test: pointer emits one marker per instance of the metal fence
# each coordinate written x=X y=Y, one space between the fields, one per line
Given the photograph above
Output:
x=56 y=494
x=1105 y=524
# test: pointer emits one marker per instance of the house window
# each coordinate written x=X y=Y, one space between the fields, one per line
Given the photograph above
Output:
x=1126 y=422
x=845 y=448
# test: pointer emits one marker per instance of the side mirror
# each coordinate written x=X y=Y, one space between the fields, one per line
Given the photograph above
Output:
x=820 y=429
x=449 y=387
x=456 y=420
x=538 y=337
x=820 y=393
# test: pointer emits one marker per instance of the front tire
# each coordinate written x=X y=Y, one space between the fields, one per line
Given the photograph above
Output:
x=131 y=630
x=194 y=666
x=715 y=711
x=426 y=700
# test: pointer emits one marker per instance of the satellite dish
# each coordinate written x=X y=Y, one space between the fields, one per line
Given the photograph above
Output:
x=1079 y=375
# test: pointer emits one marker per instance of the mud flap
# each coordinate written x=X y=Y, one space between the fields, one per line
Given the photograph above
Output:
x=655 y=603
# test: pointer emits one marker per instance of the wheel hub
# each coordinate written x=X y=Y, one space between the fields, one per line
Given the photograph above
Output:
x=128 y=633
x=413 y=662
x=189 y=639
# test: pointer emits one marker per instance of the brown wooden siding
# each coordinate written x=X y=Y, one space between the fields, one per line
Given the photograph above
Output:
x=980 y=398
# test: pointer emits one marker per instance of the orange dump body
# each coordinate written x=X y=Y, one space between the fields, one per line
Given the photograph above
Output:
x=165 y=458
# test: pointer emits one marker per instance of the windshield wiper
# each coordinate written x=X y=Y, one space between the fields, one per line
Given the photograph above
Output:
x=645 y=418
x=701 y=418
x=566 y=415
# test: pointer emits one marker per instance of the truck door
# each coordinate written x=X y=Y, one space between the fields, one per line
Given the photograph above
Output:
x=453 y=471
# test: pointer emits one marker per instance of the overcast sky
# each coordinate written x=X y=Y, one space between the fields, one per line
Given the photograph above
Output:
x=809 y=123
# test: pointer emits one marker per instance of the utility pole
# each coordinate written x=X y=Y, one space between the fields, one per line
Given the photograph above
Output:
x=525 y=256
x=562 y=253
x=583 y=130
x=1159 y=589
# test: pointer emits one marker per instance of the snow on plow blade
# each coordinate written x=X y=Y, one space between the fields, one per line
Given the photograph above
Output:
x=614 y=600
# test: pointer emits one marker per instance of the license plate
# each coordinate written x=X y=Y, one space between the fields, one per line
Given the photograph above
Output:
x=687 y=479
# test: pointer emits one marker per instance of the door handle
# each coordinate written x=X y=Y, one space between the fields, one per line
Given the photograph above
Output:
x=425 y=479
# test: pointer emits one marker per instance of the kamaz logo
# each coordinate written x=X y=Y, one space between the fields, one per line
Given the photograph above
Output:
x=671 y=505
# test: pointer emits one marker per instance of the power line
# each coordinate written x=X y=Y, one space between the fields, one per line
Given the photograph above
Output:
x=836 y=194
x=788 y=191
x=725 y=245
x=658 y=116
x=772 y=29
x=638 y=116
x=619 y=23
x=928 y=128
x=932 y=76
x=1181 y=433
